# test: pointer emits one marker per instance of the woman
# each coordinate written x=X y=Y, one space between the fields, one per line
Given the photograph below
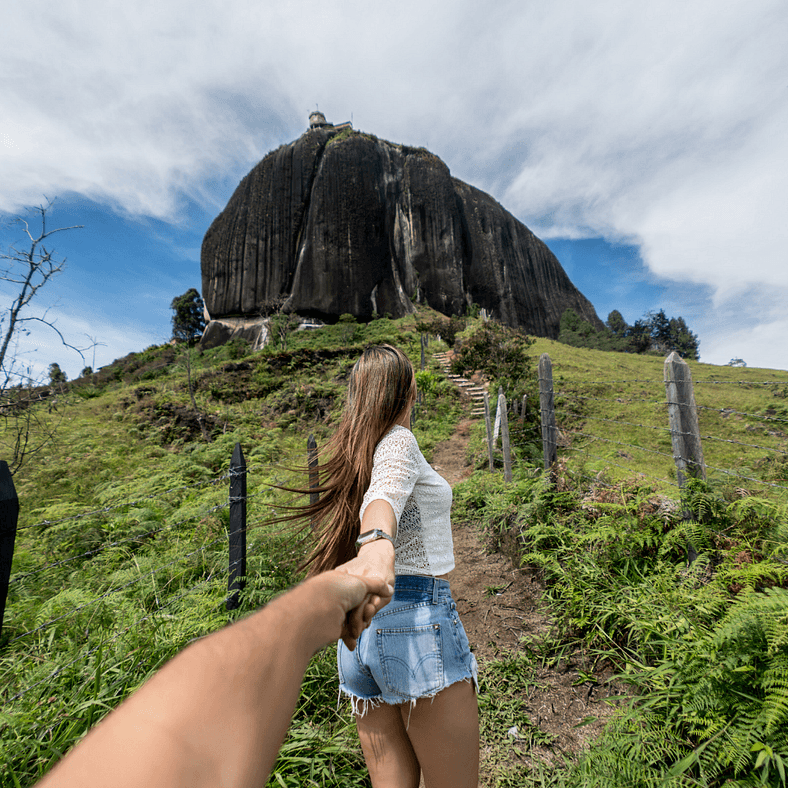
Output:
x=411 y=678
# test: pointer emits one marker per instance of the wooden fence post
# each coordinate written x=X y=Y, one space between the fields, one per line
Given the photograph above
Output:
x=423 y=346
x=497 y=427
x=9 y=514
x=547 y=406
x=489 y=430
x=683 y=418
x=311 y=455
x=236 y=578
x=507 y=451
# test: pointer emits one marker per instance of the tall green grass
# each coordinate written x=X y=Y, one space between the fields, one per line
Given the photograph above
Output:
x=127 y=516
x=135 y=516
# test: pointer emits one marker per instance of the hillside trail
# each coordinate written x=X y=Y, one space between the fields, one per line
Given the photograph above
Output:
x=500 y=605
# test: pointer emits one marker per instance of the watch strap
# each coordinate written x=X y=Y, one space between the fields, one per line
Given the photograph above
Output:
x=372 y=536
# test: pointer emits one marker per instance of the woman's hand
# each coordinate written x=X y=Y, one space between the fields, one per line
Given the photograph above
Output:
x=352 y=592
x=375 y=560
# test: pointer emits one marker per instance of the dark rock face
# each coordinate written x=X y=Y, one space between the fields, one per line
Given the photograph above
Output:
x=348 y=223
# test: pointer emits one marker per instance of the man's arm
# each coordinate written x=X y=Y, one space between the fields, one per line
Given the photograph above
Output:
x=216 y=714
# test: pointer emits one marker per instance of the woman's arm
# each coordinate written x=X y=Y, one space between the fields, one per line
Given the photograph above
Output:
x=216 y=714
x=397 y=465
x=376 y=559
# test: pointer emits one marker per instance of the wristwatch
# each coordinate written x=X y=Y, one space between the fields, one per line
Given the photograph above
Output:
x=372 y=536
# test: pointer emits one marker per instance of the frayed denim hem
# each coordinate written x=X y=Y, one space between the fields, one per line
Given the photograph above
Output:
x=360 y=706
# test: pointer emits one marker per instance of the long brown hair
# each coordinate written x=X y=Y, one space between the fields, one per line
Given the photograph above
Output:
x=381 y=387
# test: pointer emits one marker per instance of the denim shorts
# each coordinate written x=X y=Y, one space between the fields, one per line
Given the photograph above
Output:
x=413 y=648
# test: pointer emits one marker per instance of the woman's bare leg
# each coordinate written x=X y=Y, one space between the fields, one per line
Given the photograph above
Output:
x=390 y=758
x=444 y=734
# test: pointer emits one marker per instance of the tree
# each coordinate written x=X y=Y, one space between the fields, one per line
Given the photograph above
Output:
x=56 y=375
x=500 y=353
x=682 y=340
x=616 y=323
x=653 y=333
x=188 y=323
x=575 y=331
x=280 y=324
x=28 y=419
x=447 y=330
x=29 y=269
x=188 y=320
x=660 y=331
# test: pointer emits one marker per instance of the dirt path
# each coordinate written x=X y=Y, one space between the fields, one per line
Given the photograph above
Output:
x=500 y=605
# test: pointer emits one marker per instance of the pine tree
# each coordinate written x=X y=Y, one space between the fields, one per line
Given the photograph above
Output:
x=188 y=321
x=617 y=324
x=56 y=375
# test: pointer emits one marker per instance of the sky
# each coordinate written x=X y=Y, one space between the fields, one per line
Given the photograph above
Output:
x=645 y=143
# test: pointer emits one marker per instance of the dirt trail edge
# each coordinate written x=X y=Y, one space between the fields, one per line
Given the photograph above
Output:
x=499 y=605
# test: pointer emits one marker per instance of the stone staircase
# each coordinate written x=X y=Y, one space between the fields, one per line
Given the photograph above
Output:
x=473 y=390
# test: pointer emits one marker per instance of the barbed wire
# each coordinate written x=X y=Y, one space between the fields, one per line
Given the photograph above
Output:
x=617 y=400
x=607 y=461
x=101 y=548
x=675 y=432
x=672 y=456
x=133 y=502
x=632 y=424
x=651 y=381
x=116 y=590
x=723 y=411
x=731 y=412
x=746 y=478
x=619 y=443
x=229 y=474
x=741 y=382
x=739 y=443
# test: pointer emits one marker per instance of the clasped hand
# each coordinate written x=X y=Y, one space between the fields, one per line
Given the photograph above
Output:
x=375 y=562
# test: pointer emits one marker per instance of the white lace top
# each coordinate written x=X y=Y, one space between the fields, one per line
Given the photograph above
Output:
x=421 y=499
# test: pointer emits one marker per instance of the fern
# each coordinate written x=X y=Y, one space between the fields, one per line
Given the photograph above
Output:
x=730 y=692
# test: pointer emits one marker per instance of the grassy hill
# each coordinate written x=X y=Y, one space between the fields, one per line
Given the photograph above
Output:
x=612 y=409
x=121 y=556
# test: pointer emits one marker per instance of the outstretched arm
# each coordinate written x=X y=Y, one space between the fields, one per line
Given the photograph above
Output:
x=217 y=713
x=376 y=559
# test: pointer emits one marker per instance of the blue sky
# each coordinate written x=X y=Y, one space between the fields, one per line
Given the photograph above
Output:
x=644 y=143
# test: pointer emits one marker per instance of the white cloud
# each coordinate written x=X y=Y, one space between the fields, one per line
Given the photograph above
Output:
x=754 y=343
x=42 y=346
x=661 y=124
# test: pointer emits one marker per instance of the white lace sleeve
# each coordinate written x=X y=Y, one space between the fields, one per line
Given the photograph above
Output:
x=397 y=463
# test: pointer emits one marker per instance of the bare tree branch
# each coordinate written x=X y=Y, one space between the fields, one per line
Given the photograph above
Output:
x=31 y=269
x=28 y=417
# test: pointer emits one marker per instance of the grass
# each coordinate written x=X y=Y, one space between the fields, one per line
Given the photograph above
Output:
x=128 y=511
x=611 y=409
x=121 y=554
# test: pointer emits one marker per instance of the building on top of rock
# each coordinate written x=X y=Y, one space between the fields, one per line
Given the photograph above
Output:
x=317 y=120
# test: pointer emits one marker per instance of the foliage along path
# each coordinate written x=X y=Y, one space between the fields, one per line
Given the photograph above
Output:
x=523 y=684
